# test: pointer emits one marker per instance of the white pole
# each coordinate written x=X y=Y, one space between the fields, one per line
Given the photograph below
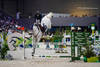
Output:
x=24 y=43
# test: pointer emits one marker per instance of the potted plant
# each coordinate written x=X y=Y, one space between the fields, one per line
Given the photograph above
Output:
x=68 y=31
x=99 y=57
x=4 y=48
x=88 y=52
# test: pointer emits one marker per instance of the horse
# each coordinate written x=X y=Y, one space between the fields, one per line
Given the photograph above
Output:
x=38 y=30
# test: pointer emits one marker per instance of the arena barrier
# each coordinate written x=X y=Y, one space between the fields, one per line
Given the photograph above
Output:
x=43 y=50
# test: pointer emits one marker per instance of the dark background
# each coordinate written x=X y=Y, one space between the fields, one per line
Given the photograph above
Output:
x=29 y=7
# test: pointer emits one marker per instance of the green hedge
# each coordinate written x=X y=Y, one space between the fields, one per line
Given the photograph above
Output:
x=93 y=59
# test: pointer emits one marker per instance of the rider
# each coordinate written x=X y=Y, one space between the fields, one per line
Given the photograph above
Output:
x=45 y=22
x=38 y=17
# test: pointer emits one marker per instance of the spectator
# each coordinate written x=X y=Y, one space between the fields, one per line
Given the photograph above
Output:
x=18 y=15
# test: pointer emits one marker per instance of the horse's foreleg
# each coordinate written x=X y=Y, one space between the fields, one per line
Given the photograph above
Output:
x=33 y=52
x=34 y=46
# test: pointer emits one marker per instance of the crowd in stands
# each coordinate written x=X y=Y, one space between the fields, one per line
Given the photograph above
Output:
x=8 y=22
x=85 y=15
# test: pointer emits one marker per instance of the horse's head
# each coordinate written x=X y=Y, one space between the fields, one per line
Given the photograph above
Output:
x=49 y=15
x=46 y=20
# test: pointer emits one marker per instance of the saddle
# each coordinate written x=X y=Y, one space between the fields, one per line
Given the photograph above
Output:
x=43 y=29
x=40 y=27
